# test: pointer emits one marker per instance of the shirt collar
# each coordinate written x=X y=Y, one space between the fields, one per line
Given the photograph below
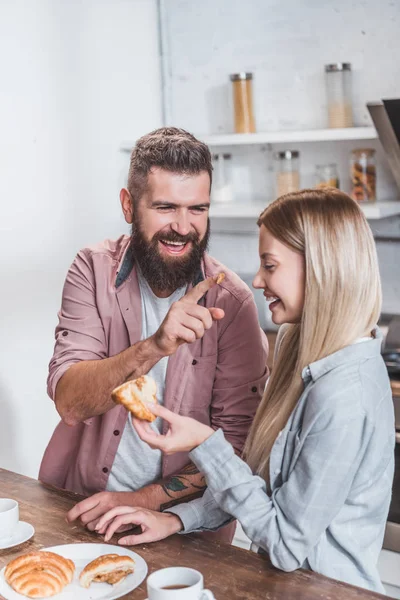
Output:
x=125 y=266
x=347 y=355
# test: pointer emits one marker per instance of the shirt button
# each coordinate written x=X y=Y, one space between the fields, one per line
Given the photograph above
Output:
x=194 y=362
x=105 y=470
x=65 y=333
x=116 y=432
x=277 y=471
x=254 y=389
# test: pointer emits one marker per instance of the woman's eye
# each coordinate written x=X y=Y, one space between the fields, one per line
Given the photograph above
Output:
x=268 y=267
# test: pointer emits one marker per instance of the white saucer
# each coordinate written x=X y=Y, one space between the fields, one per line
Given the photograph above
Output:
x=23 y=532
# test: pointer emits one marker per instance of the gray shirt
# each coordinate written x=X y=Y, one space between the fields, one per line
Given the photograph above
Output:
x=331 y=473
x=136 y=464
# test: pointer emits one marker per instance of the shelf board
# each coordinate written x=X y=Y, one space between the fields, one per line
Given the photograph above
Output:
x=381 y=210
x=377 y=210
x=283 y=137
x=236 y=210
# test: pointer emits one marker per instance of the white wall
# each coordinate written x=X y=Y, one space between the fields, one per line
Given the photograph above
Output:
x=77 y=78
x=285 y=45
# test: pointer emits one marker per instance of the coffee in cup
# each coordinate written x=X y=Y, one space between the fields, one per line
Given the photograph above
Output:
x=177 y=583
x=174 y=587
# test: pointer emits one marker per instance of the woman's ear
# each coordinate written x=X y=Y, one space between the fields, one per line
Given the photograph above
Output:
x=127 y=205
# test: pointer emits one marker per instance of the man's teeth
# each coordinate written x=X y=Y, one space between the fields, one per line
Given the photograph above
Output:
x=173 y=243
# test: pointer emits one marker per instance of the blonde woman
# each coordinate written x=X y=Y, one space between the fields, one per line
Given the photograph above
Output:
x=314 y=491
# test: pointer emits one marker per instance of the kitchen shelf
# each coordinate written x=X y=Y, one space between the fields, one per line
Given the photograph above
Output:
x=284 y=137
x=377 y=210
x=381 y=210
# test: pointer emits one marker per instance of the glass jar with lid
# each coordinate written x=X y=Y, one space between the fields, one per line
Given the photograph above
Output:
x=326 y=176
x=338 y=88
x=243 y=102
x=363 y=175
x=222 y=178
x=287 y=171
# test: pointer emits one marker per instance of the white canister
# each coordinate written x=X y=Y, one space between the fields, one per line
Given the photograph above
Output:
x=221 y=192
x=9 y=518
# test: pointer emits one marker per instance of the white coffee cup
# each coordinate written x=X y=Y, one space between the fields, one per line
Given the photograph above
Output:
x=164 y=585
x=9 y=518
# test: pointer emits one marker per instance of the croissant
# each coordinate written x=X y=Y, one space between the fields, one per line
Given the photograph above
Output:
x=109 y=568
x=134 y=393
x=39 y=574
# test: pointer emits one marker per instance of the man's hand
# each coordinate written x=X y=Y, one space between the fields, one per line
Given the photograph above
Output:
x=186 y=321
x=155 y=526
x=89 y=511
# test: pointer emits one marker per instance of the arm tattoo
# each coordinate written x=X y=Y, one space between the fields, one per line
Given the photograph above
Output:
x=190 y=469
x=183 y=481
x=188 y=498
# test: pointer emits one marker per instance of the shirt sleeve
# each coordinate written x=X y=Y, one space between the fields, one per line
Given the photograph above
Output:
x=289 y=523
x=240 y=376
x=80 y=333
x=202 y=514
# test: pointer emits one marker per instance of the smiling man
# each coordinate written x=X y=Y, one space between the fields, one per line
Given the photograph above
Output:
x=149 y=303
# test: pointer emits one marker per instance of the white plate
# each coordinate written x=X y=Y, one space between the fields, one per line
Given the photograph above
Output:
x=82 y=554
x=23 y=532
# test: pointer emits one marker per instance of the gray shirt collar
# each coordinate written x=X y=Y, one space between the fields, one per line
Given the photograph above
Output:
x=353 y=353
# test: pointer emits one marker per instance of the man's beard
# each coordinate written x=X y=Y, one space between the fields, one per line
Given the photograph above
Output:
x=167 y=274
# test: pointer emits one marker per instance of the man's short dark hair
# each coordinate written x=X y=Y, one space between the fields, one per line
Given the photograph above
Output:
x=168 y=148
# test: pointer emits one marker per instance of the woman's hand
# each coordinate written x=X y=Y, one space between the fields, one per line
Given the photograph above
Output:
x=155 y=526
x=183 y=435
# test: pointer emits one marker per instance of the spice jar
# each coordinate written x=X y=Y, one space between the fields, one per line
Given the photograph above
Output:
x=287 y=172
x=326 y=176
x=222 y=180
x=363 y=175
x=338 y=88
x=243 y=102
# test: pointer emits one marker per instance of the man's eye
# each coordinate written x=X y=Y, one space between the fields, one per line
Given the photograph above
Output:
x=165 y=208
x=199 y=209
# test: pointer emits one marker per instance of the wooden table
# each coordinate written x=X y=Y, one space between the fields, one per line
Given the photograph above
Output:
x=231 y=573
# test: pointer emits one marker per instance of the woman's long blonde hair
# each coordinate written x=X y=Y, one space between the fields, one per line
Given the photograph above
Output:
x=342 y=299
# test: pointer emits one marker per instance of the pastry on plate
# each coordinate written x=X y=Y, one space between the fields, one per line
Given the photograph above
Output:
x=133 y=395
x=39 y=574
x=109 y=568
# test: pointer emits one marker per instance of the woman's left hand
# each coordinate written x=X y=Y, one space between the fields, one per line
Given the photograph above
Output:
x=154 y=525
x=183 y=435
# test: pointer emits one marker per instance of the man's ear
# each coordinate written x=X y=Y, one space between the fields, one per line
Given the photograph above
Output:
x=127 y=205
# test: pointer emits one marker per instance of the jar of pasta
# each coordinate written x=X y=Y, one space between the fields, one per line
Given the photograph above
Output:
x=338 y=87
x=326 y=176
x=287 y=172
x=363 y=175
x=243 y=102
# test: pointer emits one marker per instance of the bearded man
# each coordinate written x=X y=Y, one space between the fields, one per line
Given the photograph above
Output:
x=149 y=304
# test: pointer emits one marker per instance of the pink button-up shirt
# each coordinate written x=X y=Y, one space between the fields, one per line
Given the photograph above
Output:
x=218 y=380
